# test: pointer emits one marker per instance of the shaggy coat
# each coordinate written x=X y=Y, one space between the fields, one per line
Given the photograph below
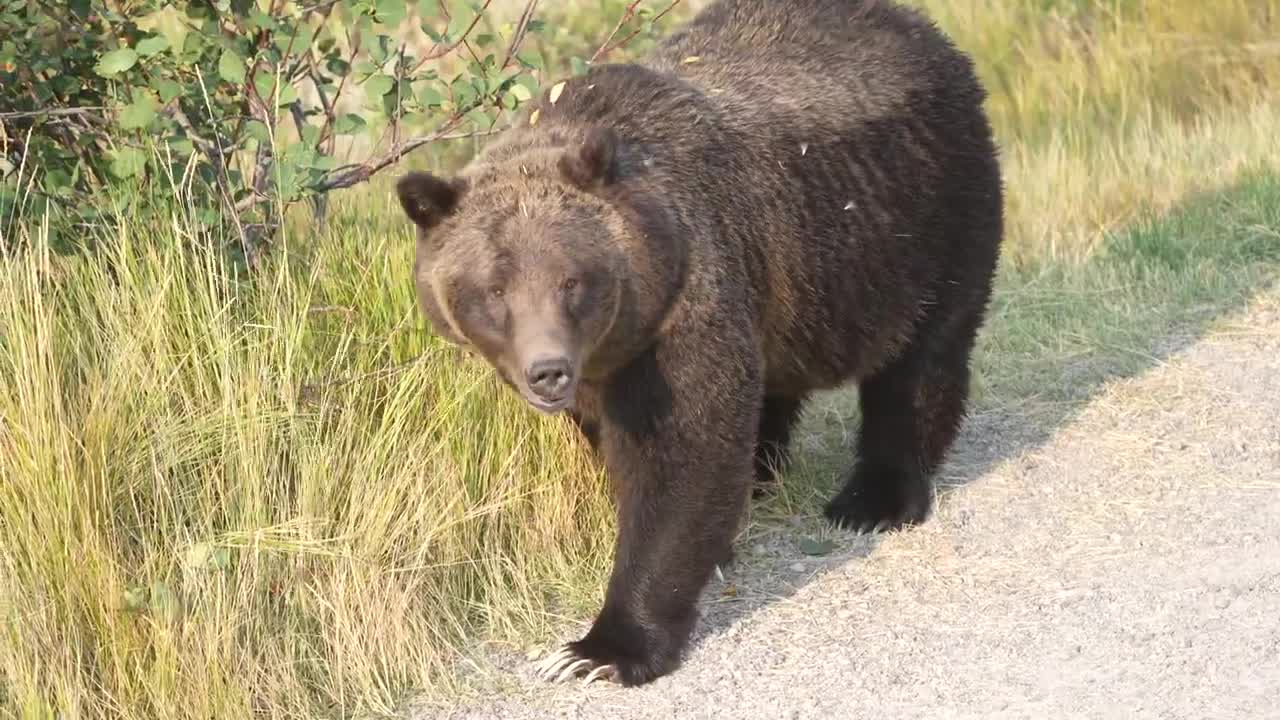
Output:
x=782 y=198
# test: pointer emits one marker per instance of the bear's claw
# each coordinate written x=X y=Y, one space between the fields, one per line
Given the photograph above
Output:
x=565 y=663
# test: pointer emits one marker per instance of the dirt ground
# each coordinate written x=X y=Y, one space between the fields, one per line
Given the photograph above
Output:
x=1125 y=564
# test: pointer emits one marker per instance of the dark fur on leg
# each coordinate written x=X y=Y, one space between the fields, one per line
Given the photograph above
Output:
x=911 y=413
x=679 y=502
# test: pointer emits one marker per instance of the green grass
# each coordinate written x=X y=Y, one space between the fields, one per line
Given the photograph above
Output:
x=284 y=498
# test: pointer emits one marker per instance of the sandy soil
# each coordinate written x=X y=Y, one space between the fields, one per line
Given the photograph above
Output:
x=1123 y=564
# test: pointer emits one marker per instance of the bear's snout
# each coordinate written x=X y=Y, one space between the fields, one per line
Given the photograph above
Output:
x=550 y=380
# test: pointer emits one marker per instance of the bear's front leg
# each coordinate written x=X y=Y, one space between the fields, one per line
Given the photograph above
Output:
x=677 y=434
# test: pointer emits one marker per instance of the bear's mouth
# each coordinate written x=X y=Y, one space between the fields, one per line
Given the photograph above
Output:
x=550 y=406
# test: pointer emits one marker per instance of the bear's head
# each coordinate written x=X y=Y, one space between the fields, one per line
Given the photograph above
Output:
x=530 y=258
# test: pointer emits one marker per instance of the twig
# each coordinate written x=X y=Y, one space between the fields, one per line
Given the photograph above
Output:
x=52 y=112
x=349 y=175
x=314 y=7
x=522 y=27
x=627 y=15
x=224 y=183
x=436 y=52
x=606 y=48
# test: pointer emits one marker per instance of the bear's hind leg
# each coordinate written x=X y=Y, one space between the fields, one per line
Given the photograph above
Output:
x=778 y=419
x=911 y=413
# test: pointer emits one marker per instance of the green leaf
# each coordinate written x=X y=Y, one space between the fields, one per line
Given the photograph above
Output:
x=164 y=602
x=293 y=39
x=458 y=24
x=337 y=66
x=183 y=146
x=206 y=556
x=288 y=94
x=265 y=84
x=231 y=67
x=464 y=93
x=128 y=162
x=192 y=46
x=139 y=113
x=531 y=59
x=135 y=599
x=377 y=45
x=348 y=124
x=430 y=97
x=578 y=65
x=809 y=546
x=390 y=12
x=116 y=62
x=67 y=86
x=378 y=85
x=528 y=82
x=221 y=558
x=167 y=88
x=520 y=93
x=483 y=119
x=310 y=134
x=258 y=130
x=259 y=20
x=153 y=45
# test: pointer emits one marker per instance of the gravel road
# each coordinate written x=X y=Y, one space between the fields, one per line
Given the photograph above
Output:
x=1124 y=564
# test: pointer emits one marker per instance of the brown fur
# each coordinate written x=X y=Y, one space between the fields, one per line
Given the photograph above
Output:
x=782 y=198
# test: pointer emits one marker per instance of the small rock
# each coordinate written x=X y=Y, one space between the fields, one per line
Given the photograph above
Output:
x=797 y=567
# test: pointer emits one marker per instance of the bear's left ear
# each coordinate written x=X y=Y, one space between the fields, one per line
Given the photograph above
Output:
x=427 y=199
x=591 y=165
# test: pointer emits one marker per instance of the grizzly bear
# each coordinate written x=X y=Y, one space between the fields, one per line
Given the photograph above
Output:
x=782 y=198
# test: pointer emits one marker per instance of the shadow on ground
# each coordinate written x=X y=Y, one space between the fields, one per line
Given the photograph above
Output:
x=1055 y=337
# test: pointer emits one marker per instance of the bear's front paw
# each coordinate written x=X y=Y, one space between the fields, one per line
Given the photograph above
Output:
x=601 y=656
x=567 y=663
x=881 y=499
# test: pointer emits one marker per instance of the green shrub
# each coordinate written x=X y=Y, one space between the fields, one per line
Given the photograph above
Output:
x=247 y=105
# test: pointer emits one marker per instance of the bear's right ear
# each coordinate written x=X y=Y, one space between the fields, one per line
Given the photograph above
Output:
x=427 y=199
x=590 y=165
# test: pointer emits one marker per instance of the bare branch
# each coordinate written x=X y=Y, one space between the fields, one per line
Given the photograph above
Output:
x=323 y=5
x=436 y=52
x=627 y=14
x=522 y=27
x=91 y=110
x=606 y=48
x=224 y=183
x=349 y=175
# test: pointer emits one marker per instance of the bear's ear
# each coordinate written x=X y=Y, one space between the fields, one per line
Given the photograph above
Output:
x=591 y=165
x=427 y=199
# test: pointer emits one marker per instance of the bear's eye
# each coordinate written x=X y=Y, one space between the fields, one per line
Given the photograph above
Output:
x=569 y=285
x=496 y=293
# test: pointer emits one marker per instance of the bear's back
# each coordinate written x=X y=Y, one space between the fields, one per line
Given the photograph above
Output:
x=825 y=68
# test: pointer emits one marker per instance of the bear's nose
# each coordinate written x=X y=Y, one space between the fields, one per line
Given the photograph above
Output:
x=550 y=377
